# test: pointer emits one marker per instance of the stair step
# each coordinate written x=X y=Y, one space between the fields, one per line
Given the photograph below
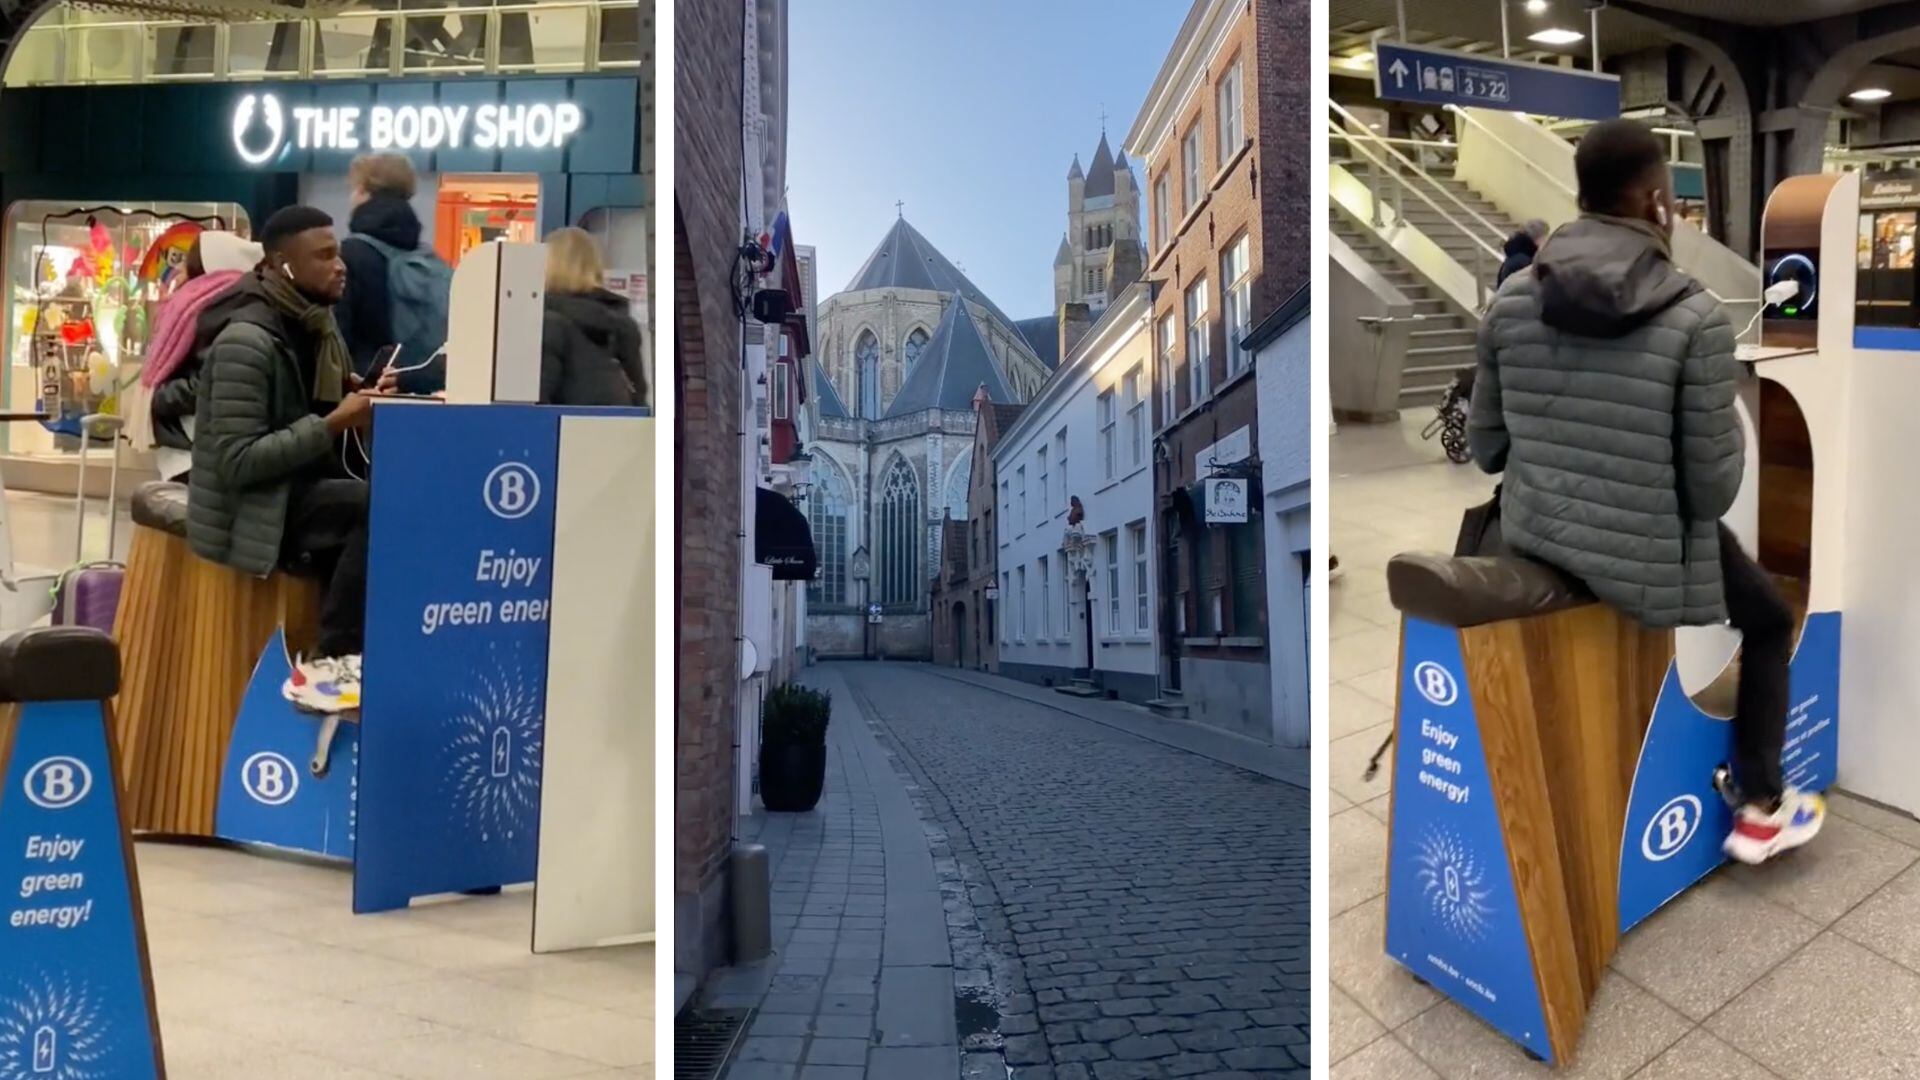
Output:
x=1172 y=710
x=1442 y=371
x=1444 y=350
x=1080 y=688
x=1468 y=331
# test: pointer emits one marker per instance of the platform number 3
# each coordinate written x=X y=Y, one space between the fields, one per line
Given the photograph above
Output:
x=512 y=490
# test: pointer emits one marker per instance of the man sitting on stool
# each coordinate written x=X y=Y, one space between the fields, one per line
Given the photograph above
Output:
x=275 y=394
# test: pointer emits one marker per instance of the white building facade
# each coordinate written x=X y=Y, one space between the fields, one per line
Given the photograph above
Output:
x=1281 y=368
x=1087 y=435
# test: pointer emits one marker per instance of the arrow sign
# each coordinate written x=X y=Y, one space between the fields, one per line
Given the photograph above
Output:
x=1470 y=80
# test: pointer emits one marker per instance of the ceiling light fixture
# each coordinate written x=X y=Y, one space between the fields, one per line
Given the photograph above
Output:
x=1557 y=36
x=1872 y=93
x=1536 y=7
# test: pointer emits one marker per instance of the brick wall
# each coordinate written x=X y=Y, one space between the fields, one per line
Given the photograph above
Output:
x=706 y=222
x=1283 y=110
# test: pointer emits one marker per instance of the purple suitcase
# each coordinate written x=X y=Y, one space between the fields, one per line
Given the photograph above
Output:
x=89 y=594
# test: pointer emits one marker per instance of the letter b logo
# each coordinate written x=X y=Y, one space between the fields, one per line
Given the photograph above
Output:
x=58 y=782
x=512 y=490
x=1672 y=826
x=1435 y=683
x=270 y=779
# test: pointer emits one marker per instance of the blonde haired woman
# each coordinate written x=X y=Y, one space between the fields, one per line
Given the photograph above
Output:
x=590 y=345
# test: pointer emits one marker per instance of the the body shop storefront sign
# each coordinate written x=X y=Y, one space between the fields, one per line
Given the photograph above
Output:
x=263 y=127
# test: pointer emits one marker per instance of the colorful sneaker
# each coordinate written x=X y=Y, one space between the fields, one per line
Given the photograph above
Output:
x=327 y=684
x=1759 y=835
x=1334 y=573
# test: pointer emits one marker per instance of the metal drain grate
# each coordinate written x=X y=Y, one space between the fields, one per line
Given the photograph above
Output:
x=704 y=1041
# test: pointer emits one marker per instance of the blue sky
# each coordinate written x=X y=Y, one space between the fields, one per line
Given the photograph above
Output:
x=968 y=112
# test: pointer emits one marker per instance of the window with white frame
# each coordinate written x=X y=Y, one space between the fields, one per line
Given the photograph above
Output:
x=1006 y=503
x=1046 y=495
x=1236 y=296
x=1199 y=343
x=782 y=385
x=1232 y=125
x=1020 y=615
x=1046 y=601
x=1066 y=587
x=1020 y=498
x=1006 y=597
x=1162 y=224
x=1137 y=535
x=1060 y=458
x=1190 y=160
x=1169 y=341
x=1107 y=451
x=1111 y=540
x=1136 y=416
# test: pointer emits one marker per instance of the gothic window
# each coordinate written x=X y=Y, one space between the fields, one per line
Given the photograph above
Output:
x=916 y=341
x=866 y=361
x=827 y=513
x=898 y=566
x=957 y=483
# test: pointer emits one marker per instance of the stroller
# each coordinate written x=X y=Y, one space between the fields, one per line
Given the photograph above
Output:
x=1450 y=418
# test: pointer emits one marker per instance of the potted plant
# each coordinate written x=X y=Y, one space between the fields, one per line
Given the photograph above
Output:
x=793 y=747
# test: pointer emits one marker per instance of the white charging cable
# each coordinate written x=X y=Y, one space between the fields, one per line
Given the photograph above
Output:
x=1777 y=293
x=353 y=434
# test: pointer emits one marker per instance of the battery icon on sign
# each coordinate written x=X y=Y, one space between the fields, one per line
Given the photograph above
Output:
x=45 y=1045
x=502 y=748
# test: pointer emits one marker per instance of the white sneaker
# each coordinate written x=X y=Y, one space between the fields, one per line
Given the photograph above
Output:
x=326 y=684
x=1759 y=835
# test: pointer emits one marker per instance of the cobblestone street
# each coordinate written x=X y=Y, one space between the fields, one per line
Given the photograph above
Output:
x=1117 y=908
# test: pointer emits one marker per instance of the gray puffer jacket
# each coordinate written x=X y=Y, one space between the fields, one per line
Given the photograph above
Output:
x=255 y=432
x=1605 y=392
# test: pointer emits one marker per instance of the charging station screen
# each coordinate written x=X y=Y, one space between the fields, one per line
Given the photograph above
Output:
x=1802 y=268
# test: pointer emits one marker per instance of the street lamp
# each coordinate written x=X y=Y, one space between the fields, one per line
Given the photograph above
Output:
x=800 y=474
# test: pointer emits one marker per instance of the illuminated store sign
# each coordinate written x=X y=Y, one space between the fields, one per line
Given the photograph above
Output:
x=263 y=128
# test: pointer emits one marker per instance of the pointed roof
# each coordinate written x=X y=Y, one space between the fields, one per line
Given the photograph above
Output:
x=1100 y=173
x=825 y=396
x=1065 y=254
x=1043 y=335
x=951 y=368
x=1074 y=172
x=907 y=260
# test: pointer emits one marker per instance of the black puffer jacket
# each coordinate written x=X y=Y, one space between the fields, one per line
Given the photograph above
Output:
x=365 y=313
x=1520 y=251
x=590 y=351
x=255 y=431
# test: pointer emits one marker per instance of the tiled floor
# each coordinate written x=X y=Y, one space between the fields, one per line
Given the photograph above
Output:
x=261 y=969
x=1809 y=967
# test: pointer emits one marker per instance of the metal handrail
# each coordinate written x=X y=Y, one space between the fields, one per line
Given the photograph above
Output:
x=1366 y=134
x=1508 y=147
x=1481 y=249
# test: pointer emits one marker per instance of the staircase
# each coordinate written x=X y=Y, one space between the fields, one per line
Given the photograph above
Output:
x=1444 y=344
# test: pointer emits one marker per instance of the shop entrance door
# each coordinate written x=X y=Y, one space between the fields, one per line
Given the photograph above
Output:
x=475 y=209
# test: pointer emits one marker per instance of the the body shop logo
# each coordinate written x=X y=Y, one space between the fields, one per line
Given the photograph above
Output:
x=254 y=149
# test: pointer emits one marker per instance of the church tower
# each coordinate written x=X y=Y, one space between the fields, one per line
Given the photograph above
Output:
x=1100 y=255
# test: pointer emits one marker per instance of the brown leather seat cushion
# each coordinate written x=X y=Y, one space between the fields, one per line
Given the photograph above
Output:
x=59 y=663
x=161 y=504
x=1465 y=592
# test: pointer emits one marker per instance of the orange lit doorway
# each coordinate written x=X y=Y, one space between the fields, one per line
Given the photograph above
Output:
x=473 y=210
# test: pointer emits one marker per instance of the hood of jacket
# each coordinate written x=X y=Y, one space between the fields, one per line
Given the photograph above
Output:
x=177 y=326
x=1605 y=276
x=389 y=219
x=1521 y=244
x=601 y=315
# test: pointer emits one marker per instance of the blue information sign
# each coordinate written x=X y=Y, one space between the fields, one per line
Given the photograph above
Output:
x=268 y=793
x=75 y=995
x=1453 y=917
x=1676 y=819
x=459 y=579
x=1443 y=77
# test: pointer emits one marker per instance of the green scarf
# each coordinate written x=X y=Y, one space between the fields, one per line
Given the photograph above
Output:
x=331 y=361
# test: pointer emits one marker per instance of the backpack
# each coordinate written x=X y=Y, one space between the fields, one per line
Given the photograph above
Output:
x=418 y=285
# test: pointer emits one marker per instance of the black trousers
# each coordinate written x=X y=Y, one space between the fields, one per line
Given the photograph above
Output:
x=326 y=537
x=1765 y=621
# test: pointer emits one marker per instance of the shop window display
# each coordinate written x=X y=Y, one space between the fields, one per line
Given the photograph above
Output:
x=85 y=285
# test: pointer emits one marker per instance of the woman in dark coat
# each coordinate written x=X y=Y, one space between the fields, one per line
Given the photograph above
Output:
x=1521 y=248
x=590 y=345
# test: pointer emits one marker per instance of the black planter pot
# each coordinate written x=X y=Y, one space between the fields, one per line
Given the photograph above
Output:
x=791 y=776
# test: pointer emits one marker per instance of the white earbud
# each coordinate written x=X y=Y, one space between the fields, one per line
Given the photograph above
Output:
x=288 y=270
x=1660 y=209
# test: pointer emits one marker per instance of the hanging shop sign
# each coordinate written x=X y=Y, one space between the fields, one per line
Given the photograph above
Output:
x=1227 y=501
x=263 y=127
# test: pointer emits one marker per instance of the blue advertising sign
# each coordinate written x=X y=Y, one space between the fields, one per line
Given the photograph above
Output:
x=1676 y=819
x=454 y=682
x=268 y=793
x=75 y=995
x=1433 y=76
x=1453 y=917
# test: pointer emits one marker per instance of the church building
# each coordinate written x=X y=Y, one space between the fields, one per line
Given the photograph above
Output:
x=899 y=357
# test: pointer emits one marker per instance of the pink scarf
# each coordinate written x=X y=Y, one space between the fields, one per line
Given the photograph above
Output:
x=174 y=327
